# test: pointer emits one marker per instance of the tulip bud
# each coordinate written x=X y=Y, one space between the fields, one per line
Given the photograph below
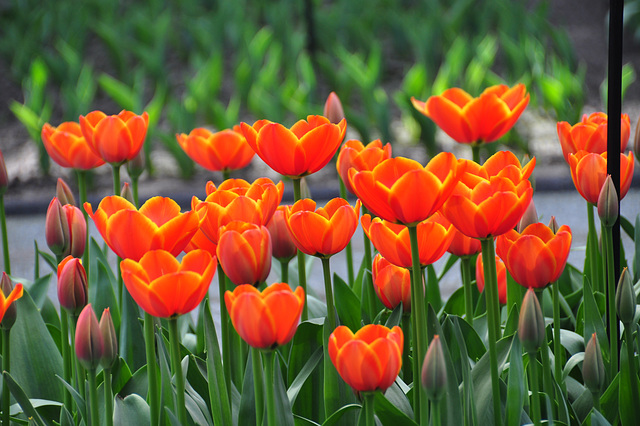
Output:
x=57 y=228
x=553 y=225
x=333 y=108
x=64 y=193
x=593 y=366
x=4 y=178
x=282 y=245
x=110 y=353
x=626 y=298
x=126 y=193
x=434 y=370
x=89 y=343
x=636 y=142
x=530 y=216
x=11 y=312
x=72 y=285
x=136 y=166
x=531 y=324
x=608 y=203
x=77 y=230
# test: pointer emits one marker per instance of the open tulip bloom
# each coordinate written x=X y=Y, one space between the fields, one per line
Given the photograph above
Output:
x=220 y=151
x=67 y=146
x=589 y=171
x=590 y=134
x=244 y=252
x=354 y=154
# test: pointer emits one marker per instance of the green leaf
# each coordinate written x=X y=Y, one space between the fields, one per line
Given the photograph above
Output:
x=284 y=414
x=515 y=387
x=132 y=410
x=101 y=292
x=628 y=408
x=22 y=399
x=574 y=361
x=572 y=342
x=122 y=94
x=347 y=304
x=219 y=397
x=247 y=408
x=78 y=399
x=389 y=413
x=308 y=338
x=468 y=393
x=336 y=392
x=337 y=415
x=303 y=375
x=433 y=288
x=593 y=319
x=482 y=379
x=395 y=318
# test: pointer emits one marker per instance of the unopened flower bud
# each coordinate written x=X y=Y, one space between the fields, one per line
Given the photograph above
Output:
x=626 y=298
x=77 y=230
x=553 y=225
x=4 y=178
x=593 y=366
x=8 y=310
x=333 y=108
x=434 y=370
x=530 y=216
x=608 y=203
x=110 y=353
x=282 y=245
x=136 y=166
x=57 y=228
x=72 y=285
x=89 y=343
x=64 y=193
x=531 y=323
x=126 y=193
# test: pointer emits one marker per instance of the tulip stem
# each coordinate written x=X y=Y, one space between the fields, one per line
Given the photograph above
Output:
x=284 y=270
x=66 y=359
x=349 y=249
x=5 y=237
x=558 y=351
x=116 y=178
x=547 y=380
x=77 y=373
x=607 y=247
x=368 y=279
x=631 y=359
x=368 y=406
x=533 y=382
x=592 y=250
x=6 y=363
x=270 y=388
x=475 y=152
x=258 y=384
x=465 y=271
x=493 y=326
x=328 y=290
x=407 y=375
x=152 y=369
x=108 y=397
x=302 y=273
x=93 y=398
x=134 y=191
x=224 y=329
x=436 y=418
x=174 y=340
x=82 y=189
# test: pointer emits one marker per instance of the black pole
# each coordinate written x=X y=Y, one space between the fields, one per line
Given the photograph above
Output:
x=614 y=110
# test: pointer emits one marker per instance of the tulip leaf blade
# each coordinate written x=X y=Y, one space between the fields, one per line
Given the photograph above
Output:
x=303 y=375
x=79 y=400
x=515 y=385
x=22 y=399
x=218 y=395
x=347 y=304
x=593 y=319
x=628 y=409
x=388 y=413
x=131 y=410
x=284 y=415
x=337 y=415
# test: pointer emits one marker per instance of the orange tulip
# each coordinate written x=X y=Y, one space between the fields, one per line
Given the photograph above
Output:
x=392 y=240
x=391 y=283
x=461 y=245
x=67 y=146
x=502 y=278
x=7 y=299
x=302 y=150
x=224 y=150
x=490 y=199
x=115 y=138
x=476 y=120
x=589 y=171
x=237 y=199
x=282 y=245
x=590 y=134
x=165 y=287
x=130 y=233
x=536 y=257
x=244 y=252
x=401 y=190
x=368 y=360
x=355 y=154
x=268 y=319
x=324 y=231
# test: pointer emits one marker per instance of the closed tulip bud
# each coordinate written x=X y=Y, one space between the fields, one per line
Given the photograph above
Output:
x=530 y=216
x=626 y=298
x=434 y=371
x=110 y=353
x=531 y=324
x=593 y=366
x=89 y=343
x=64 y=193
x=57 y=228
x=553 y=225
x=608 y=203
x=11 y=312
x=126 y=193
x=77 y=230
x=4 y=178
x=333 y=108
x=72 y=285
x=136 y=166
x=282 y=245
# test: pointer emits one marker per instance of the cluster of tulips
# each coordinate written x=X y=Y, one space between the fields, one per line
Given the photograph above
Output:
x=386 y=330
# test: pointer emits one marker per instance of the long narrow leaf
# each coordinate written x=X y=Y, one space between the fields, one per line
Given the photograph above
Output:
x=22 y=399
x=219 y=397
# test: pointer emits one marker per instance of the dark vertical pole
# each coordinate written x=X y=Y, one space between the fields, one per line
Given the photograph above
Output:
x=614 y=109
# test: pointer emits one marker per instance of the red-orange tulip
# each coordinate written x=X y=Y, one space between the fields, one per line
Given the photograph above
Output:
x=7 y=299
x=88 y=339
x=130 y=233
x=401 y=190
x=282 y=245
x=268 y=319
x=220 y=151
x=324 y=231
x=302 y=150
x=391 y=283
x=244 y=252
x=368 y=360
x=476 y=120
x=502 y=278
x=115 y=138
x=590 y=134
x=72 y=285
x=461 y=245
x=355 y=154
x=589 y=171
x=536 y=257
x=392 y=240
x=67 y=146
x=165 y=287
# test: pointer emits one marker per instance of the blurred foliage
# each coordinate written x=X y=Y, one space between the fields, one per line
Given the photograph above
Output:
x=215 y=63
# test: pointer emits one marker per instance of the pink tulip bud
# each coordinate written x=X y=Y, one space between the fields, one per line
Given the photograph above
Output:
x=333 y=108
x=110 y=353
x=553 y=225
x=282 y=243
x=126 y=193
x=64 y=193
x=531 y=324
x=608 y=203
x=77 y=230
x=434 y=370
x=72 y=285
x=57 y=229
x=593 y=366
x=530 y=216
x=89 y=343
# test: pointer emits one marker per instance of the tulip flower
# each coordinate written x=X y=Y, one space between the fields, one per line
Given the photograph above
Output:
x=536 y=257
x=131 y=233
x=8 y=295
x=391 y=283
x=110 y=340
x=593 y=372
x=324 y=231
x=355 y=154
x=72 y=285
x=476 y=120
x=434 y=371
x=333 y=109
x=88 y=340
x=368 y=360
x=115 y=138
x=67 y=146
x=590 y=134
x=56 y=230
x=608 y=203
x=392 y=240
x=244 y=252
x=626 y=298
x=302 y=150
x=265 y=319
x=502 y=278
x=589 y=171
x=282 y=245
x=461 y=245
x=220 y=151
x=400 y=190
x=165 y=287
x=64 y=193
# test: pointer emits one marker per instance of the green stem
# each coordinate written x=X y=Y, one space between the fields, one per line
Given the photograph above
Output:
x=176 y=362
x=82 y=189
x=152 y=369
x=417 y=309
x=224 y=330
x=66 y=357
x=5 y=237
x=592 y=249
x=78 y=372
x=258 y=384
x=368 y=278
x=349 y=249
x=607 y=247
x=533 y=382
x=6 y=363
x=108 y=397
x=475 y=152
x=407 y=375
x=493 y=326
x=547 y=380
x=239 y=361
x=302 y=275
x=93 y=397
x=134 y=191
x=465 y=271
x=226 y=174
x=368 y=406
x=558 y=351
x=328 y=290
x=116 y=179
x=270 y=388
x=596 y=400
x=284 y=270
x=631 y=359
x=436 y=418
